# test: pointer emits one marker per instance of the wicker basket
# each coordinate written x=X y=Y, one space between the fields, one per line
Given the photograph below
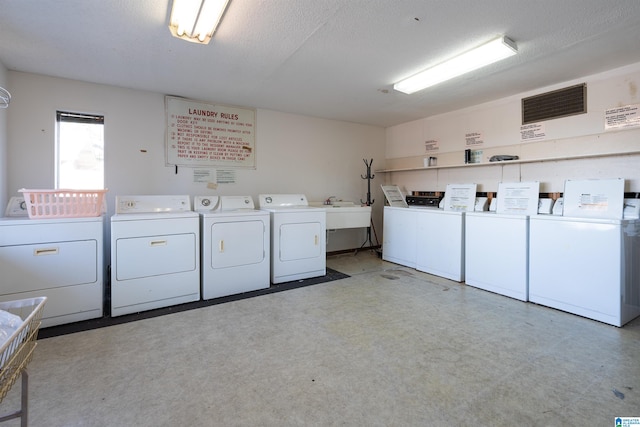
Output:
x=63 y=203
x=17 y=351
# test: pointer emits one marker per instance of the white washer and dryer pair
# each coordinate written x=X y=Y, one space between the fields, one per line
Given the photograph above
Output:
x=155 y=253
x=235 y=245
x=298 y=237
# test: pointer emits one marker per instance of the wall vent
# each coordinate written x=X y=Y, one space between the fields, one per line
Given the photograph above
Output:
x=555 y=104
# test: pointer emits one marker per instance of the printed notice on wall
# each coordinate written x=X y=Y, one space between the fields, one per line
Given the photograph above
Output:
x=201 y=134
x=226 y=177
x=431 y=145
x=204 y=175
x=622 y=117
x=532 y=132
x=473 y=139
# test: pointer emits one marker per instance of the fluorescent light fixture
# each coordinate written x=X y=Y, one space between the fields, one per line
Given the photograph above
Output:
x=488 y=53
x=196 y=20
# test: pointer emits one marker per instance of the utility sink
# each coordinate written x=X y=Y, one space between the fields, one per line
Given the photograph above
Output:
x=341 y=214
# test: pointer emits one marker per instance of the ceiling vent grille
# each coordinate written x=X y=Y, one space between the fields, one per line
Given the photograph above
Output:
x=552 y=105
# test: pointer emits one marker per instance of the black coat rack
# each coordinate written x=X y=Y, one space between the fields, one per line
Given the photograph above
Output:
x=368 y=176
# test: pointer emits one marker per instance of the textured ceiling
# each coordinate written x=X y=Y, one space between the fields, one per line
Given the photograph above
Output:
x=335 y=59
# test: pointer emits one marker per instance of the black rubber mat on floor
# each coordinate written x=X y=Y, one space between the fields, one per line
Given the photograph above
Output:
x=102 y=322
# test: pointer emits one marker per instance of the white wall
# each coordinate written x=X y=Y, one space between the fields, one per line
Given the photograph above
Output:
x=609 y=154
x=295 y=154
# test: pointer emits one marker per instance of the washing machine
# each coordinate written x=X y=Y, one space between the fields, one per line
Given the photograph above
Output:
x=588 y=263
x=497 y=243
x=440 y=242
x=399 y=228
x=60 y=258
x=235 y=245
x=399 y=235
x=298 y=239
x=155 y=253
x=586 y=266
x=440 y=233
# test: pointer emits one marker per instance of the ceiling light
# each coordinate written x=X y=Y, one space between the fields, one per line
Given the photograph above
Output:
x=488 y=53
x=196 y=20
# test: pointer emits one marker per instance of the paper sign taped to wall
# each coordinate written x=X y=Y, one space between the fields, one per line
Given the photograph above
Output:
x=204 y=175
x=473 y=139
x=431 y=145
x=532 y=132
x=622 y=117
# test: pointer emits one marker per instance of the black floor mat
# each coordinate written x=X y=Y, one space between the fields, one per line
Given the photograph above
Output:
x=102 y=322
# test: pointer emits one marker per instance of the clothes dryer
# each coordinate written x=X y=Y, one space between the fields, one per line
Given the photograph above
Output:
x=155 y=253
x=235 y=245
x=60 y=258
x=298 y=239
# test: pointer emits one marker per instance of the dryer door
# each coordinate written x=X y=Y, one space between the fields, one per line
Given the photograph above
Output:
x=148 y=256
x=48 y=265
x=301 y=241
x=237 y=243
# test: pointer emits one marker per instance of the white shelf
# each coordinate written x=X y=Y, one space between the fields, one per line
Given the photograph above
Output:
x=510 y=162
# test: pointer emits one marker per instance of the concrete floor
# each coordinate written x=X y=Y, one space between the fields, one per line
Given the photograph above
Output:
x=389 y=346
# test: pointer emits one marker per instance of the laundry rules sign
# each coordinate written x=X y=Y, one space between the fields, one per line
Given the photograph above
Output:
x=206 y=134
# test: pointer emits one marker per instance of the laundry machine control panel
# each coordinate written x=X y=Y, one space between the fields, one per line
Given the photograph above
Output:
x=282 y=200
x=152 y=204
x=222 y=203
x=16 y=207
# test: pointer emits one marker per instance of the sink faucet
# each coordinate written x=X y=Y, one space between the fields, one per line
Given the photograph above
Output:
x=328 y=201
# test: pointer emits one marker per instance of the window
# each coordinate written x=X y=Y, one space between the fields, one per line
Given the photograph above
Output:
x=79 y=151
